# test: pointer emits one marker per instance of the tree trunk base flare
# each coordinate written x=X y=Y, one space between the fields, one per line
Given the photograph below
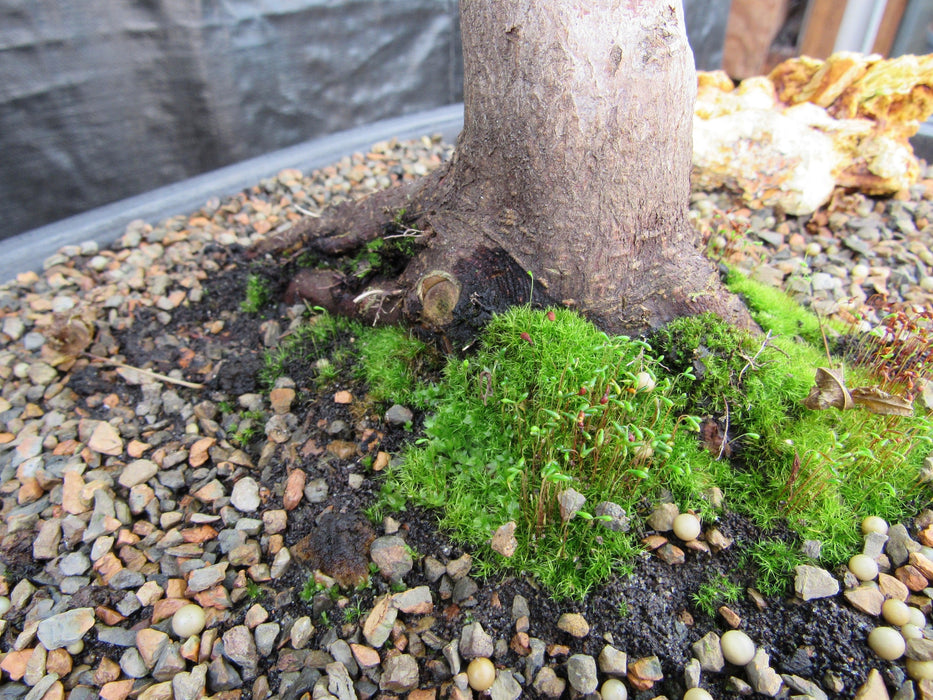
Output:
x=467 y=267
x=569 y=185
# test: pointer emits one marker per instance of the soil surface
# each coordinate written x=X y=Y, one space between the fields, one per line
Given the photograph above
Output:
x=648 y=613
x=168 y=299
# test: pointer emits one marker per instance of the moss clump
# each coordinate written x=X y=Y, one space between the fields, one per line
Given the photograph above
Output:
x=318 y=349
x=258 y=294
x=550 y=403
x=718 y=590
x=776 y=311
x=391 y=362
x=822 y=470
x=774 y=561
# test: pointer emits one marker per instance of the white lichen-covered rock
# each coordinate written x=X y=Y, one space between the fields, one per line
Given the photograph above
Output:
x=788 y=139
x=768 y=157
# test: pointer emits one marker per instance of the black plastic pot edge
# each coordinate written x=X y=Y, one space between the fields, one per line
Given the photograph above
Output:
x=922 y=141
x=27 y=251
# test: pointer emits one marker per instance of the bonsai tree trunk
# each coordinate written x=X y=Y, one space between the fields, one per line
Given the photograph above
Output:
x=571 y=176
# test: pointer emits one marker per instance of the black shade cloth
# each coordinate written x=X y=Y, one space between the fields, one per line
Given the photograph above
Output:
x=104 y=99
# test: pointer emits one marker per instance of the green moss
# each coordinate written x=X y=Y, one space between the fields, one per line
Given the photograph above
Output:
x=315 y=349
x=258 y=294
x=774 y=560
x=549 y=402
x=390 y=361
x=248 y=429
x=718 y=590
x=776 y=311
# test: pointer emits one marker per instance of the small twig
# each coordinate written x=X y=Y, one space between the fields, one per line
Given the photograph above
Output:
x=407 y=233
x=725 y=432
x=751 y=363
x=307 y=212
x=148 y=373
x=819 y=320
x=488 y=392
x=382 y=294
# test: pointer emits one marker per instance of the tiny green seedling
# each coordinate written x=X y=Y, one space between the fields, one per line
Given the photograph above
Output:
x=719 y=590
x=253 y=590
x=258 y=294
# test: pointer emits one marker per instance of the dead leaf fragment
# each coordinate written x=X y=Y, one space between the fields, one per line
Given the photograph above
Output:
x=830 y=391
x=68 y=337
x=881 y=402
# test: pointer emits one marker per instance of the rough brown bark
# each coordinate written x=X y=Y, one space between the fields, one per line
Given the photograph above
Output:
x=573 y=165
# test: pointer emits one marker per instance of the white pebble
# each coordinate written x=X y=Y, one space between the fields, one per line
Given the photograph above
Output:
x=873 y=523
x=864 y=567
x=75 y=648
x=687 y=526
x=813 y=249
x=697 y=694
x=910 y=631
x=895 y=611
x=887 y=643
x=481 y=674
x=614 y=689
x=917 y=617
x=4 y=605
x=737 y=647
x=188 y=620
x=920 y=670
x=644 y=382
x=860 y=272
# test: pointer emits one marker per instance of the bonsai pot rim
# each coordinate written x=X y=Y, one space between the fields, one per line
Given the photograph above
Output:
x=103 y=225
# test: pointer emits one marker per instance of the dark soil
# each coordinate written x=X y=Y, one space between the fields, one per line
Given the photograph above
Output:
x=648 y=613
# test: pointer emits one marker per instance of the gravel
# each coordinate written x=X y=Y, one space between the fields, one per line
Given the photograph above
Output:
x=123 y=497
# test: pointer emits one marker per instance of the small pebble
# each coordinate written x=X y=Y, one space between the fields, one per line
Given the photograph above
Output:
x=873 y=523
x=887 y=643
x=920 y=670
x=188 y=620
x=737 y=647
x=687 y=526
x=481 y=674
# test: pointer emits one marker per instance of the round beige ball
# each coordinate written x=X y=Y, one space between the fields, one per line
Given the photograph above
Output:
x=644 y=382
x=737 y=647
x=887 y=643
x=687 y=526
x=874 y=524
x=864 y=567
x=895 y=612
x=481 y=674
x=614 y=689
x=188 y=620
x=697 y=694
